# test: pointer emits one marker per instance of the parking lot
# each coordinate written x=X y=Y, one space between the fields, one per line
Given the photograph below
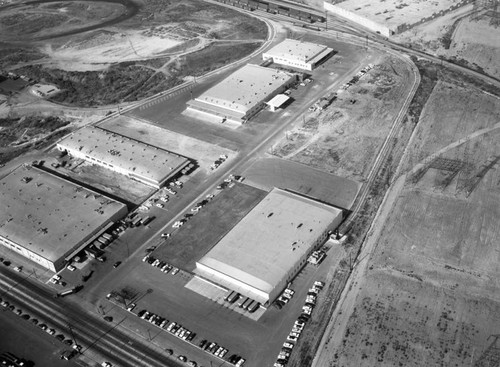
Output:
x=164 y=293
x=204 y=227
x=258 y=342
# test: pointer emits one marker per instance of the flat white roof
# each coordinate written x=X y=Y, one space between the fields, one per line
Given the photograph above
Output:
x=264 y=246
x=278 y=100
x=246 y=87
x=392 y=13
x=297 y=50
x=49 y=215
x=128 y=154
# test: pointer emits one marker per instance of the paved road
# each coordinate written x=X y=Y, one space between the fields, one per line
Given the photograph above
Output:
x=105 y=339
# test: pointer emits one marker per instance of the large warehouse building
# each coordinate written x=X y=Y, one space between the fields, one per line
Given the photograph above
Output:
x=298 y=54
x=140 y=161
x=244 y=93
x=389 y=17
x=48 y=219
x=270 y=245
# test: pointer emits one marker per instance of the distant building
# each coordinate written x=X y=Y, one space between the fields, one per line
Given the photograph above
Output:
x=48 y=219
x=244 y=93
x=298 y=54
x=389 y=17
x=140 y=161
x=270 y=245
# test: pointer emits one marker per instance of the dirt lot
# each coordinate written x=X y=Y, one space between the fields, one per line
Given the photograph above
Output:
x=345 y=138
x=41 y=20
x=103 y=53
x=208 y=226
x=428 y=295
x=465 y=36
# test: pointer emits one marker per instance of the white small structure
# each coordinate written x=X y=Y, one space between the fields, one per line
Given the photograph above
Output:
x=278 y=101
x=298 y=54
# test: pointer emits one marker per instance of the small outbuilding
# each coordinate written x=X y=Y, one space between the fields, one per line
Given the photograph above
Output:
x=277 y=102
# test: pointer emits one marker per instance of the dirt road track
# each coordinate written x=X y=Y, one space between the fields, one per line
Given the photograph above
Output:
x=131 y=9
x=338 y=323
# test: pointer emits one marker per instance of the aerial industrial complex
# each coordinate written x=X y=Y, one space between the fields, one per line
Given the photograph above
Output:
x=140 y=161
x=48 y=219
x=298 y=54
x=270 y=245
x=244 y=93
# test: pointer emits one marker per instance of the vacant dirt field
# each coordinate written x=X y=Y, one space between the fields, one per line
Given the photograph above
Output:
x=345 y=138
x=101 y=53
x=428 y=296
x=453 y=112
x=41 y=20
x=465 y=36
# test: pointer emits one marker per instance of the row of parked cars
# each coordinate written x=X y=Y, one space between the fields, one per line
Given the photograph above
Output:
x=179 y=223
x=220 y=351
x=162 y=265
x=43 y=326
x=299 y=324
x=172 y=327
x=358 y=76
x=284 y=297
x=229 y=182
x=185 y=334
x=218 y=162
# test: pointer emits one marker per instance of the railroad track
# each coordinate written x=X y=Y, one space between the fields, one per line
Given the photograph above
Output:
x=99 y=339
x=382 y=155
